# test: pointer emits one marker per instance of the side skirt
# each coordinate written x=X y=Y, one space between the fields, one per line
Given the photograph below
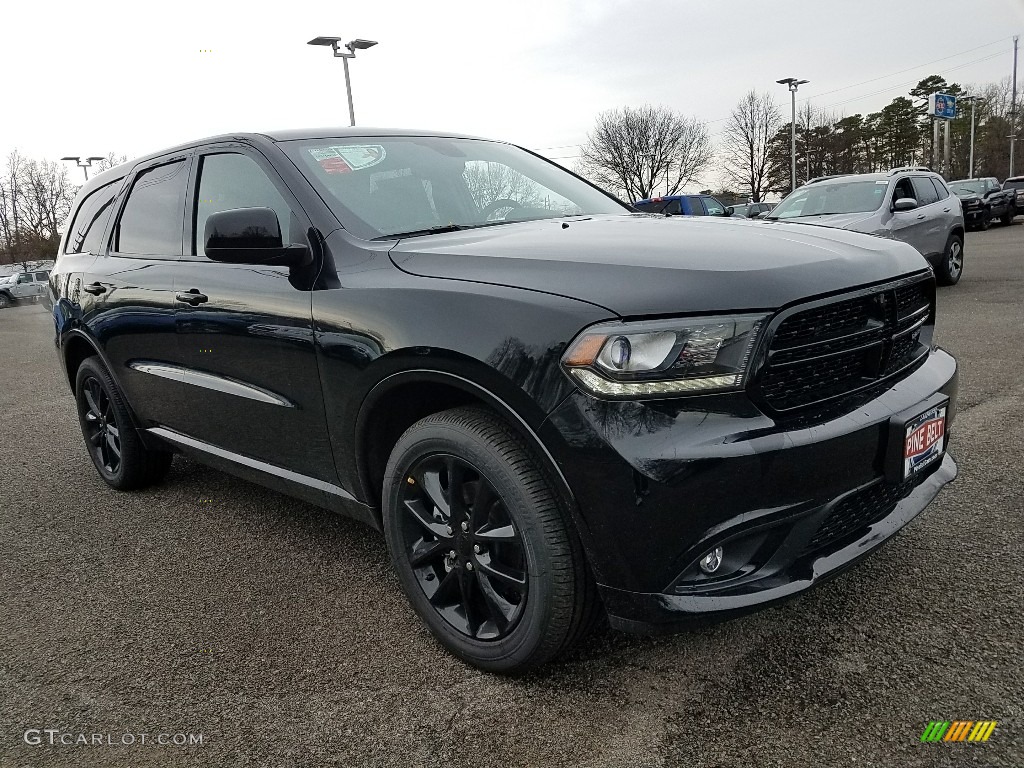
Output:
x=318 y=492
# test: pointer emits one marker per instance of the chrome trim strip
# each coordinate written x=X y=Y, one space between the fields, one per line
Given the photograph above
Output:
x=210 y=381
x=262 y=466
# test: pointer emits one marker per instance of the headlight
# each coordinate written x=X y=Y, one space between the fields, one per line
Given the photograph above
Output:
x=662 y=358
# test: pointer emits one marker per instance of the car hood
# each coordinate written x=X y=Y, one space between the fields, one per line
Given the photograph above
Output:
x=648 y=265
x=967 y=196
x=852 y=221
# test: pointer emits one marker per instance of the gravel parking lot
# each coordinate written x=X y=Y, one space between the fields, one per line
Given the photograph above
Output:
x=278 y=632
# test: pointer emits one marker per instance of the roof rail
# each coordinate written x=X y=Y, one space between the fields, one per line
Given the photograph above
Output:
x=906 y=168
x=832 y=176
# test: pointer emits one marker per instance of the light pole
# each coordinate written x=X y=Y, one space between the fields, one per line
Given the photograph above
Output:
x=85 y=164
x=352 y=46
x=793 y=84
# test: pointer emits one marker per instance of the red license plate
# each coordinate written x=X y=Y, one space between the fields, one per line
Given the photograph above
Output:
x=924 y=441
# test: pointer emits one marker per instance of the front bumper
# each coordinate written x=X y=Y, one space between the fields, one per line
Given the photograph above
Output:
x=659 y=484
x=974 y=216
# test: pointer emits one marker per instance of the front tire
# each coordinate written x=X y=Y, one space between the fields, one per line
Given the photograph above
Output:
x=951 y=267
x=481 y=544
x=109 y=431
x=5 y=301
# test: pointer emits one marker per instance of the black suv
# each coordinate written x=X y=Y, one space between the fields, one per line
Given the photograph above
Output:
x=554 y=408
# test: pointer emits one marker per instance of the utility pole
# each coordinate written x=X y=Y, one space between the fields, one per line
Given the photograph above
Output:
x=970 y=163
x=1013 y=105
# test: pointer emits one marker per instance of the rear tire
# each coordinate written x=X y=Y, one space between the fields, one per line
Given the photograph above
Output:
x=109 y=431
x=482 y=546
x=1007 y=218
x=951 y=267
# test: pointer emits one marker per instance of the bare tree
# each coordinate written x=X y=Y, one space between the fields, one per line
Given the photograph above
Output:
x=746 y=143
x=110 y=161
x=636 y=150
x=489 y=182
x=35 y=200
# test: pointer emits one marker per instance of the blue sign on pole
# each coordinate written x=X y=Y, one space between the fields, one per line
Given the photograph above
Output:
x=942 y=105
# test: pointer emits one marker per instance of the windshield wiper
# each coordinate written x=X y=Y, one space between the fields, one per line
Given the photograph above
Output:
x=428 y=231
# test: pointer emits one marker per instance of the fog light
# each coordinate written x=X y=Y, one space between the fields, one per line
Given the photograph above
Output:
x=710 y=562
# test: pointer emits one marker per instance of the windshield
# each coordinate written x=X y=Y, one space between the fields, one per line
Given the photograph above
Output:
x=835 y=197
x=387 y=186
x=1013 y=184
x=968 y=187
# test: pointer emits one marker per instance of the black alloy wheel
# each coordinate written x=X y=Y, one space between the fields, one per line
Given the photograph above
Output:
x=482 y=545
x=463 y=547
x=99 y=424
x=109 y=430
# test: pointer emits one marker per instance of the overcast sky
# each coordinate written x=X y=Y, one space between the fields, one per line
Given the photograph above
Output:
x=87 y=78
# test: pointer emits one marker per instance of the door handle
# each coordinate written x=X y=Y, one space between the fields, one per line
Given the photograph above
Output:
x=95 y=288
x=945 y=210
x=192 y=296
x=920 y=217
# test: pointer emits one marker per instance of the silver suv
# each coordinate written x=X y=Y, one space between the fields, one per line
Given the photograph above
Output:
x=23 y=286
x=909 y=204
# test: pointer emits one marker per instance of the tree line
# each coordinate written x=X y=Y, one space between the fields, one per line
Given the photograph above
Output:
x=35 y=202
x=645 y=151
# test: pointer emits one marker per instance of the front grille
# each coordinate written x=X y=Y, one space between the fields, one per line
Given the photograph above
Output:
x=847 y=345
x=857 y=511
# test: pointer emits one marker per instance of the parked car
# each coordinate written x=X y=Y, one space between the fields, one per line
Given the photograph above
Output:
x=750 y=210
x=22 y=286
x=1016 y=185
x=683 y=205
x=908 y=204
x=984 y=200
x=551 y=406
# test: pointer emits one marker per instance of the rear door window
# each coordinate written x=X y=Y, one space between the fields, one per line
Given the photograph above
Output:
x=696 y=206
x=940 y=189
x=924 y=191
x=154 y=215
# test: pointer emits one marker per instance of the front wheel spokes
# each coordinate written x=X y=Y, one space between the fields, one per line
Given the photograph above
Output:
x=507 y=576
x=426 y=551
x=501 y=610
x=418 y=510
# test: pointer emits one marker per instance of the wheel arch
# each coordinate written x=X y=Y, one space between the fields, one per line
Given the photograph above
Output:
x=403 y=398
x=76 y=348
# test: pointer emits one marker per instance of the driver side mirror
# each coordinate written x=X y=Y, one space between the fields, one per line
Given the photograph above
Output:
x=904 y=204
x=251 y=236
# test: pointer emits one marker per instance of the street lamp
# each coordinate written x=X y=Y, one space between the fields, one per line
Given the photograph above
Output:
x=352 y=46
x=793 y=84
x=970 y=163
x=83 y=164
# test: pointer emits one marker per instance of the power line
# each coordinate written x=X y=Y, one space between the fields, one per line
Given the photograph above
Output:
x=911 y=69
x=909 y=82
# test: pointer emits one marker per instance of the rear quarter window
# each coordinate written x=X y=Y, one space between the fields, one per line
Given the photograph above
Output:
x=90 y=220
